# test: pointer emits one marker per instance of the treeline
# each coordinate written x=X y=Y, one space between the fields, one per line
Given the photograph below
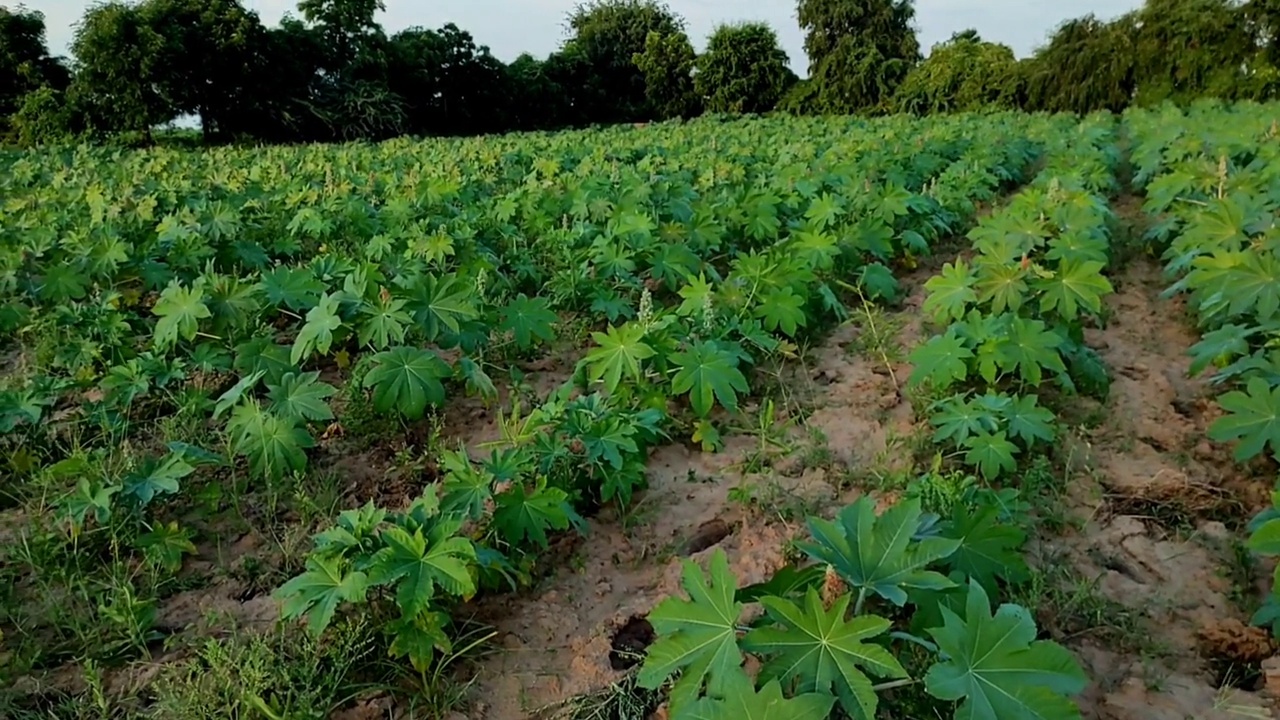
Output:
x=333 y=73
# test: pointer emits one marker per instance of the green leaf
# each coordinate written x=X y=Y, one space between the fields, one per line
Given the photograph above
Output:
x=822 y=652
x=265 y=356
x=317 y=592
x=878 y=554
x=440 y=303
x=156 y=477
x=1029 y=349
x=1001 y=285
x=991 y=453
x=520 y=516
x=957 y=418
x=382 y=322
x=418 y=562
x=301 y=396
x=477 y=380
x=781 y=309
x=950 y=292
x=878 y=282
x=316 y=334
x=620 y=352
x=295 y=288
x=708 y=374
x=741 y=702
x=467 y=487
x=273 y=444
x=940 y=361
x=419 y=637
x=231 y=397
x=1253 y=418
x=695 y=295
x=997 y=667
x=527 y=319
x=697 y=637
x=407 y=379
x=1220 y=346
x=180 y=311
x=166 y=544
x=1029 y=421
x=1075 y=285
x=988 y=551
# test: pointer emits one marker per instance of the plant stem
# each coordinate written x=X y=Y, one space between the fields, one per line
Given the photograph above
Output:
x=894 y=684
x=862 y=597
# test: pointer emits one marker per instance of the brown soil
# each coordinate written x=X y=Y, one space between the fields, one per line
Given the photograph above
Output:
x=1155 y=497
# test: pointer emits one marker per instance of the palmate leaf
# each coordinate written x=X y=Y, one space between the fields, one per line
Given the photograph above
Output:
x=1075 y=285
x=997 y=667
x=165 y=544
x=957 y=418
x=1029 y=349
x=940 y=361
x=950 y=292
x=273 y=444
x=417 y=563
x=1002 y=286
x=741 y=702
x=419 y=637
x=316 y=593
x=822 y=652
x=1253 y=418
x=156 y=477
x=709 y=374
x=988 y=551
x=316 y=334
x=440 y=303
x=522 y=517
x=301 y=396
x=180 y=311
x=1255 y=286
x=295 y=288
x=878 y=555
x=781 y=309
x=382 y=322
x=1220 y=346
x=527 y=319
x=620 y=352
x=407 y=379
x=697 y=637
x=991 y=453
x=263 y=355
x=1028 y=421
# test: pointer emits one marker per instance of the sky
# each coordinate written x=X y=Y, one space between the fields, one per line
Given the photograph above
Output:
x=510 y=27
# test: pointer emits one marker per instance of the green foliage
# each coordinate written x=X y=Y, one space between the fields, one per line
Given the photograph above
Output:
x=963 y=74
x=996 y=665
x=407 y=380
x=667 y=63
x=709 y=374
x=274 y=444
x=697 y=636
x=743 y=70
x=741 y=702
x=180 y=311
x=859 y=51
x=1253 y=418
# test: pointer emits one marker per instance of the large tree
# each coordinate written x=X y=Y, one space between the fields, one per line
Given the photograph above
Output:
x=859 y=50
x=668 y=63
x=965 y=73
x=25 y=64
x=1088 y=65
x=450 y=85
x=744 y=70
x=211 y=55
x=606 y=36
x=1186 y=49
x=117 y=52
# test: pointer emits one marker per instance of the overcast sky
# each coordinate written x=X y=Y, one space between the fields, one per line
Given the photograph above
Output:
x=510 y=27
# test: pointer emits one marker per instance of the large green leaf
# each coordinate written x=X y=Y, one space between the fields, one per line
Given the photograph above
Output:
x=528 y=318
x=995 y=665
x=418 y=562
x=522 y=517
x=382 y=322
x=708 y=373
x=440 y=303
x=989 y=551
x=316 y=593
x=180 y=311
x=878 y=555
x=156 y=477
x=940 y=361
x=274 y=444
x=619 y=353
x=1253 y=418
x=316 y=334
x=820 y=651
x=407 y=379
x=697 y=637
x=1075 y=285
x=301 y=396
x=781 y=309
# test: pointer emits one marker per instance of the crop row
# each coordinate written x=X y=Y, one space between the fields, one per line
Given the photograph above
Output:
x=1210 y=178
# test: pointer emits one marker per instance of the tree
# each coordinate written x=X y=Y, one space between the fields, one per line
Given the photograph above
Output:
x=1088 y=65
x=744 y=70
x=211 y=53
x=1212 y=42
x=25 y=64
x=116 y=53
x=44 y=117
x=450 y=86
x=607 y=35
x=668 y=63
x=348 y=27
x=859 y=50
x=960 y=75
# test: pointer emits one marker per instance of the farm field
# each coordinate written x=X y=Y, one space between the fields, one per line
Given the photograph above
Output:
x=969 y=416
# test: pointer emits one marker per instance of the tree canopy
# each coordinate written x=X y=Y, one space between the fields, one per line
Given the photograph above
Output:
x=744 y=69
